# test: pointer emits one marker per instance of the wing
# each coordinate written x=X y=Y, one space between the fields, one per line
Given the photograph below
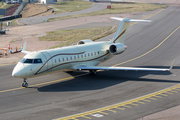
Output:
x=120 y=68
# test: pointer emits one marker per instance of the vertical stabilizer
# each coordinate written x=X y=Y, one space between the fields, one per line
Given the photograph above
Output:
x=121 y=31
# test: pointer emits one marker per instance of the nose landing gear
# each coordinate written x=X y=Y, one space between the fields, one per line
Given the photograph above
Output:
x=25 y=84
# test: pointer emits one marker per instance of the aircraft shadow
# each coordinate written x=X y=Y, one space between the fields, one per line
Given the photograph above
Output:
x=105 y=79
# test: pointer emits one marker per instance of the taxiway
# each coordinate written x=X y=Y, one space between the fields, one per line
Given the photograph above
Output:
x=154 y=44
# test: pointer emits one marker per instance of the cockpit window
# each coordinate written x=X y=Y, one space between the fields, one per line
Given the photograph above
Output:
x=28 y=61
x=22 y=60
x=37 y=61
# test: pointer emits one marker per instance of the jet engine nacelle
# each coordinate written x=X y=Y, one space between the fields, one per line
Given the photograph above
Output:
x=117 y=48
x=85 y=41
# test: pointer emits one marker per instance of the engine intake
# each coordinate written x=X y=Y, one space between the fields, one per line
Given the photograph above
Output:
x=117 y=48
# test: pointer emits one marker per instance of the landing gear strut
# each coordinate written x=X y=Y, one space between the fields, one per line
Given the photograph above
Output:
x=92 y=72
x=25 y=84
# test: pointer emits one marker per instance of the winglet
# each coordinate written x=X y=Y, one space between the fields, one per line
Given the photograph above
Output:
x=172 y=64
x=24 y=48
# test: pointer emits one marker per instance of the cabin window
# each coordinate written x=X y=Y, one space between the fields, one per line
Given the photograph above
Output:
x=71 y=57
x=67 y=58
x=28 y=61
x=88 y=54
x=94 y=53
x=84 y=55
x=59 y=59
x=78 y=56
x=91 y=54
x=98 y=52
x=55 y=60
x=81 y=56
x=74 y=57
x=37 y=61
x=63 y=59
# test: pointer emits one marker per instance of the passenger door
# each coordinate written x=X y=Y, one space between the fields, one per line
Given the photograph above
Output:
x=47 y=62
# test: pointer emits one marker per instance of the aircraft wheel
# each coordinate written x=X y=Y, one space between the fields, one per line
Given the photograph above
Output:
x=92 y=72
x=25 y=84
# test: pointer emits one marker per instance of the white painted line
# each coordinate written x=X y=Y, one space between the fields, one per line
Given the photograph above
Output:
x=97 y=115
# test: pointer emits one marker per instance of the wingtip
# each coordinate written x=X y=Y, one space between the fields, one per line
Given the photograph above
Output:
x=172 y=65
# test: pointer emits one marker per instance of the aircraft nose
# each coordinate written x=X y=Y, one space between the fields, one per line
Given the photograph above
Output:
x=18 y=71
x=15 y=74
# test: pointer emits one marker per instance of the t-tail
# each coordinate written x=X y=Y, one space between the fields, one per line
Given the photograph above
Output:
x=122 y=29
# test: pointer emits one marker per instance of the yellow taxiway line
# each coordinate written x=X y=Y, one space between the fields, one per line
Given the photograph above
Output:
x=124 y=105
x=45 y=83
x=149 y=50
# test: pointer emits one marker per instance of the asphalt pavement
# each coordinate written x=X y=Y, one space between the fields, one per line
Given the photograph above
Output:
x=153 y=45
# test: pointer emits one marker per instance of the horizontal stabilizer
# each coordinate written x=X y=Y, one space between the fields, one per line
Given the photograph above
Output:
x=129 y=20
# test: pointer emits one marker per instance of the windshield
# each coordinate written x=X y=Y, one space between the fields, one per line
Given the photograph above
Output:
x=37 y=61
x=22 y=60
x=26 y=60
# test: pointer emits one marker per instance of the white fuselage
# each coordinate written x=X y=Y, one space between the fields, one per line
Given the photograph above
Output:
x=62 y=59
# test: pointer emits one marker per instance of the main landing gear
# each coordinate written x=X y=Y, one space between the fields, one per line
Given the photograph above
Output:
x=25 y=84
x=92 y=72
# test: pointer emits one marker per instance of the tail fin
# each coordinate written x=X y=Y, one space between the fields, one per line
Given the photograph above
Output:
x=120 y=33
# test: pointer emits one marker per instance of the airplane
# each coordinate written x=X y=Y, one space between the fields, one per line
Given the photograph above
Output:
x=86 y=55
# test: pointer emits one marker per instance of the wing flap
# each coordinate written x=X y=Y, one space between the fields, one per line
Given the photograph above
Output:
x=120 y=68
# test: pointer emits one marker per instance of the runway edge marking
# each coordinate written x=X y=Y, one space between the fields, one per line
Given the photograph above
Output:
x=123 y=105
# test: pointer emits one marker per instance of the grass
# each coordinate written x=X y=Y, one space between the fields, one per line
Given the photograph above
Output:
x=13 y=23
x=0 y=4
x=71 y=6
x=68 y=37
x=6 y=6
x=118 y=8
